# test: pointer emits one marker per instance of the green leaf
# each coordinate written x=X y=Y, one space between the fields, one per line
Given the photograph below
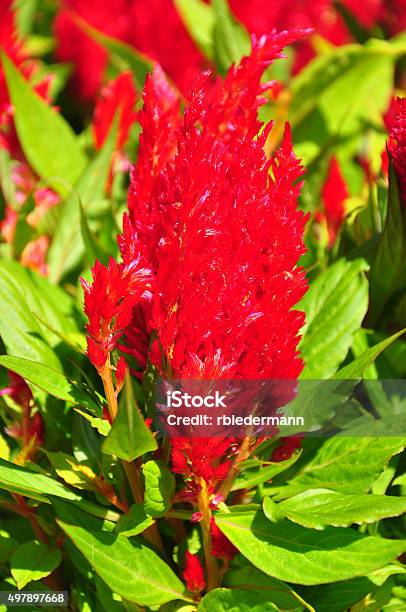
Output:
x=128 y=567
x=386 y=269
x=16 y=479
x=292 y=553
x=225 y=600
x=319 y=508
x=129 y=437
x=348 y=465
x=51 y=381
x=29 y=299
x=67 y=246
x=231 y=40
x=279 y=593
x=73 y=473
x=335 y=306
x=199 y=20
x=357 y=368
x=159 y=487
x=7 y=547
x=134 y=522
x=251 y=477
x=33 y=561
x=48 y=141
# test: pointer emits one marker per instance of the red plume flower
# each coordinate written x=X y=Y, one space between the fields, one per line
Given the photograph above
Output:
x=397 y=143
x=193 y=573
x=108 y=305
x=334 y=194
x=118 y=96
x=221 y=547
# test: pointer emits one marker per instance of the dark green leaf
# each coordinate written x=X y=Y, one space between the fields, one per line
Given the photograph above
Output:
x=134 y=522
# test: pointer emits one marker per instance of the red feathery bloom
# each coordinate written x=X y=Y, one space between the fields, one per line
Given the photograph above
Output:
x=108 y=305
x=118 y=96
x=226 y=233
x=221 y=547
x=18 y=390
x=193 y=574
x=397 y=144
x=334 y=194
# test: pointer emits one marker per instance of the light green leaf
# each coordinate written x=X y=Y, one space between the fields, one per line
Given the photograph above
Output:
x=319 y=508
x=93 y=250
x=292 y=553
x=279 y=593
x=134 y=522
x=48 y=141
x=335 y=306
x=253 y=476
x=73 y=473
x=33 y=561
x=16 y=479
x=128 y=567
x=159 y=487
x=225 y=600
x=347 y=465
x=51 y=381
x=199 y=20
x=29 y=299
x=129 y=437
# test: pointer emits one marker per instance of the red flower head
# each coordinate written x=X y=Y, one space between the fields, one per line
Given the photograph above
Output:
x=18 y=390
x=119 y=96
x=222 y=233
x=334 y=194
x=397 y=144
x=108 y=304
x=221 y=547
x=193 y=573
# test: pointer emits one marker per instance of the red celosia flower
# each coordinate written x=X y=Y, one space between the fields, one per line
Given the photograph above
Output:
x=108 y=304
x=193 y=574
x=221 y=547
x=200 y=459
x=222 y=234
x=28 y=426
x=334 y=194
x=119 y=96
x=397 y=144
x=34 y=255
x=286 y=449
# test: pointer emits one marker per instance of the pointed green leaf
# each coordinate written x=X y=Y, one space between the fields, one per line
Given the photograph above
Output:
x=292 y=553
x=250 y=477
x=199 y=20
x=226 y=600
x=134 y=522
x=129 y=437
x=129 y=567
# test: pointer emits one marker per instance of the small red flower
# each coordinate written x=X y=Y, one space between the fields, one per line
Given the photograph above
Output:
x=221 y=547
x=118 y=96
x=108 y=304
x=18 y=390
x=193 y=574
x=286 y=449
x=334 y=194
